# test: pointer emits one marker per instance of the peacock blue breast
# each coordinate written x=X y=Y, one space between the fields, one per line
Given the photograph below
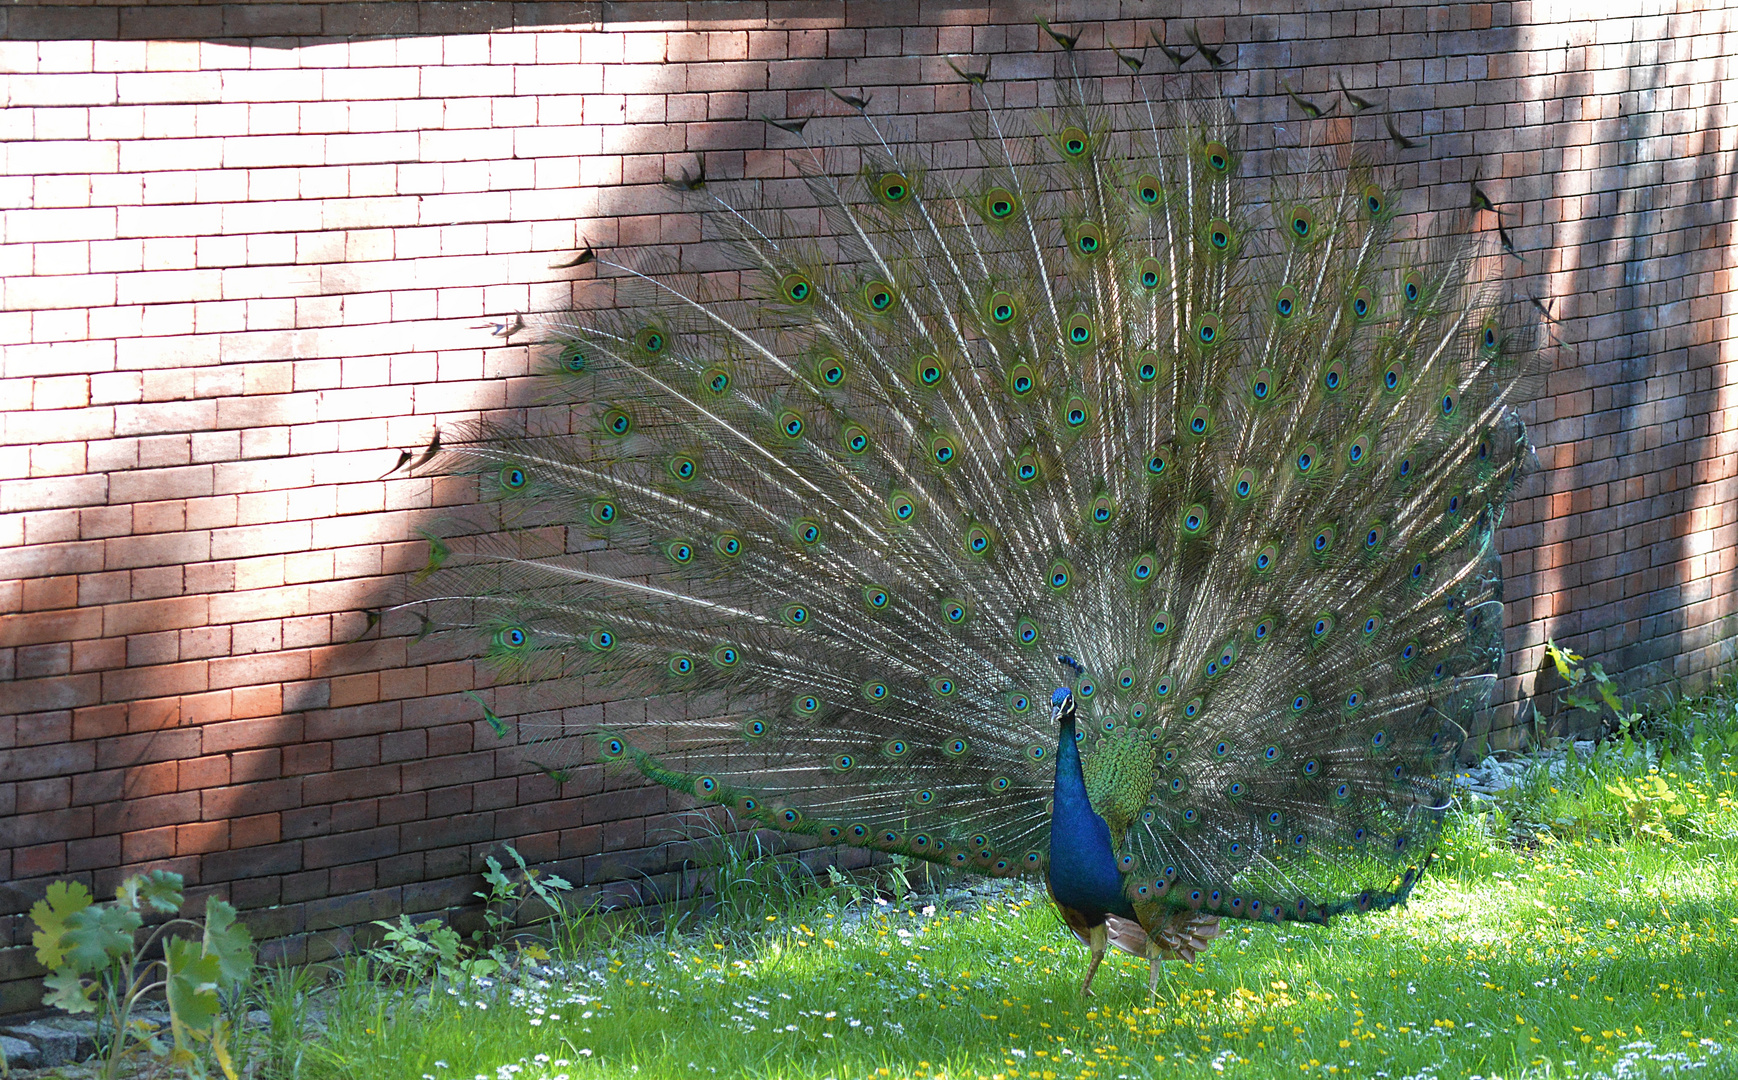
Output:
x=1083 y=874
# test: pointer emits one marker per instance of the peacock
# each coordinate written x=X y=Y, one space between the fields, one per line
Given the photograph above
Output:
x=1079 y=506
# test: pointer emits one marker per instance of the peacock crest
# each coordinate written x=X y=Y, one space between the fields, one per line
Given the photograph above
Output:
x=1092 y=389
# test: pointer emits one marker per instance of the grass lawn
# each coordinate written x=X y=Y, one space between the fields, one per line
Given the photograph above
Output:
x=1603 y=942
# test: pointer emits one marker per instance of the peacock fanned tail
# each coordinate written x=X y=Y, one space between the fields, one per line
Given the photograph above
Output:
x=1094 y=391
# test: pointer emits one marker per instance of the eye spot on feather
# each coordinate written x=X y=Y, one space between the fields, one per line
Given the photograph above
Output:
x=1004 y=309
x=650 y=340
x=1079 y=331
x=901 y=507
x=790 y=425
x=681 y=664
x=1074 y=142
x=1412 y=287
x=831 y=370
x=1358 y=451
x=513 y=478
x=1152 y=274
x=893 y=188
x=796 y=288
x=1019 y=704
x=806 y=705
x=1027 y=632
x=601 y=640
x=617 y=422
x=1160 y=626
x=1061 y=575
x=1000 y=784
x=879 y=296
x=1334 y=377
x=954 y=611
x=1148 y=190
x=726 y=656
x=755 y=729
x=1158 y=462
x=1216 y=156
x=928 y=371
x=1089 y=239
x=1207 y=329
x=1000 y=204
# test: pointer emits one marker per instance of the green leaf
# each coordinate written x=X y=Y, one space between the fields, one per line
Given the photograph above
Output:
x=192 y=982
x=98 y=933
x=64 y=899
x=1563 y=658
x=68 y=992
x=227 y=940
x=1610 y=696
x=160 y=890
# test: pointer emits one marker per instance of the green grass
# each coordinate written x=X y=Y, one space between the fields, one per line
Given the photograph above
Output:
x=1604 y=943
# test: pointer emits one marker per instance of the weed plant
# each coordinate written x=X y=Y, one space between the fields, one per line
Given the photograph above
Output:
x=1580 y=924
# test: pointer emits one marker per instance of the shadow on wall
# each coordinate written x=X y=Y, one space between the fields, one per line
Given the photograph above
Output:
x=1639 y=471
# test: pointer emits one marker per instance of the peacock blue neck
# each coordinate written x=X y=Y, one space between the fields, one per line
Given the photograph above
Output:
x=1083 y=872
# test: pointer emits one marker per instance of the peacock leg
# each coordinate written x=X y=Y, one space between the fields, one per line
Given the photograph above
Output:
x=1156 y=959
x=1096 y=939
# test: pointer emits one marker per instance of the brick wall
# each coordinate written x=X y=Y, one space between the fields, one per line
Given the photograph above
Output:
x=247 y=246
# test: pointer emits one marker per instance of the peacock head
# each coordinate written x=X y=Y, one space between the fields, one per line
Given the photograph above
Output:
x=1062 y=705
